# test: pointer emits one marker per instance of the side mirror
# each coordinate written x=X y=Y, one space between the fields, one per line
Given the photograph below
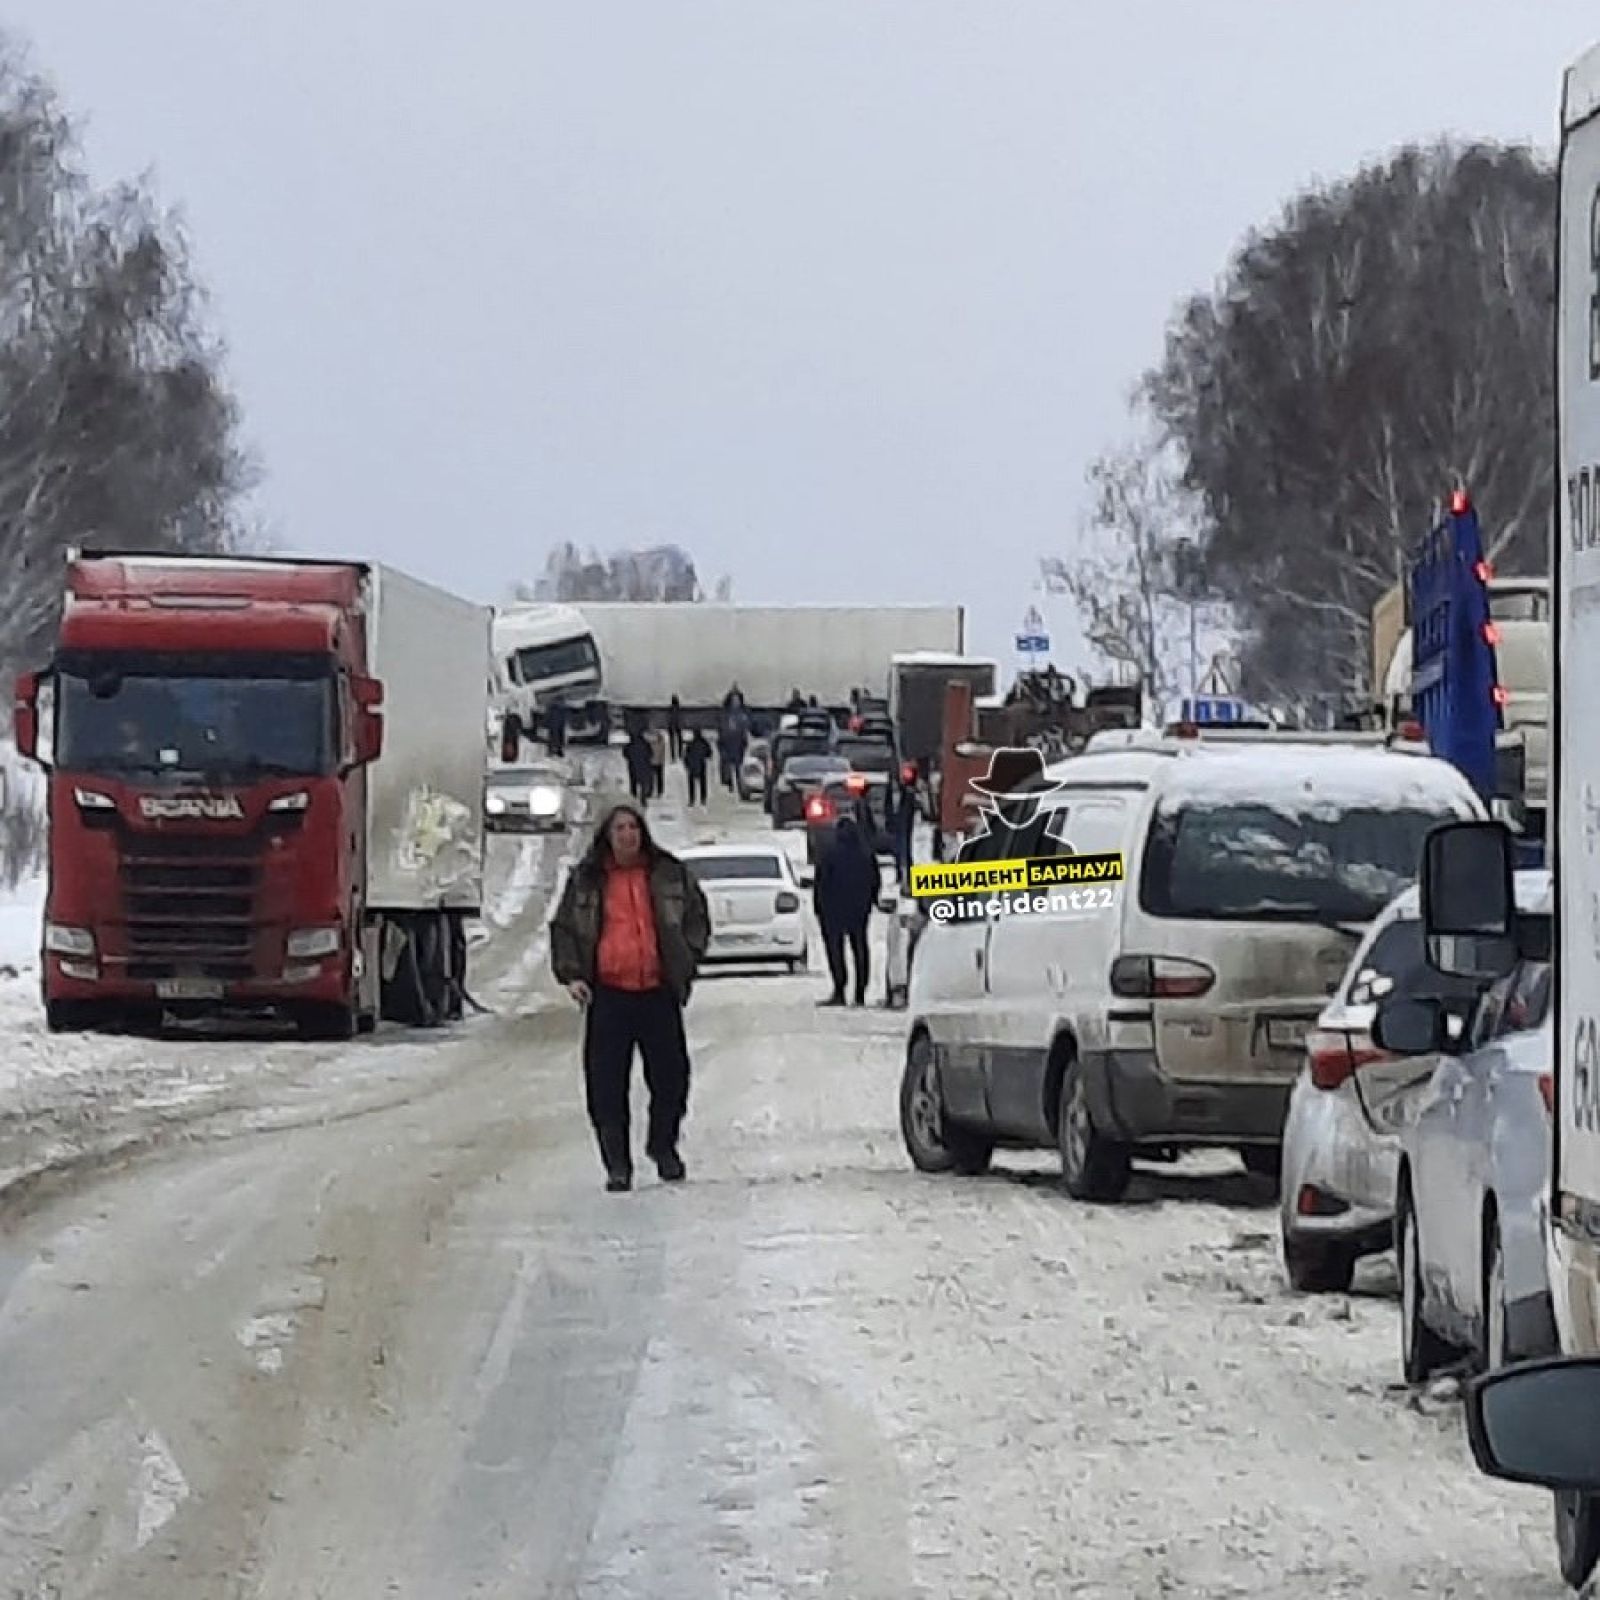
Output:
x=1410 y=1026
x=888 y=904
x=368 y=741
x=25 y=715
x=1534 y=1423
x=807 y=876
x=1469 y=907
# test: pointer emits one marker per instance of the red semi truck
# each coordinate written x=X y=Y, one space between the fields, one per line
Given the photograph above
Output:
x=265 y=791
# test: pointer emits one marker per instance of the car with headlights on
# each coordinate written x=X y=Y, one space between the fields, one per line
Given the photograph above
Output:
x=529 y=799
x=754 y=898
x=799 y=777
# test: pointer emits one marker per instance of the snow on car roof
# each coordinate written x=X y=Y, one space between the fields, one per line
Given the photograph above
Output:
x=1317 y=775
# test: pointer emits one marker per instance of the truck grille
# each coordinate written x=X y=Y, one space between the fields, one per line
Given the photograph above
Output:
x=189 y=902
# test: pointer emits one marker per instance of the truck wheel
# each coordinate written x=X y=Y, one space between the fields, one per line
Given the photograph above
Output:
x=325 y=1022
x=74 y=1016
x=1092 y=1167
x=1577 y=1535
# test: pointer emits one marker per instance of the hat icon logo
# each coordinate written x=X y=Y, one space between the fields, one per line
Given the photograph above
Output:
x=1011 y=770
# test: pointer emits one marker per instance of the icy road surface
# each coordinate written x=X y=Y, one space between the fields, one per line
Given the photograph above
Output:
x=371 y=1328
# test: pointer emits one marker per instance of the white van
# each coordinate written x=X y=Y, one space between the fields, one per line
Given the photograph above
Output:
x=1176 y=1016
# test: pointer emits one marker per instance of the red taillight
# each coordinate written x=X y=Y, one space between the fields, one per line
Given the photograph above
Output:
x=1334 y=1055
x=1459 y=504
x=1159 y=978
x=1483 y=572
x=1547 y=1092
x=786 y=901
x=1491 y=634
x=1500 y=694
x=1412 y=731
x=817 y=807
x=1311 y=1201
x=1186 y=730
x=908 y=773
x=856 y=783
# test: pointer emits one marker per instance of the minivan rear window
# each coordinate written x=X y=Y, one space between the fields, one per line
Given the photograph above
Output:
x=1236 y=863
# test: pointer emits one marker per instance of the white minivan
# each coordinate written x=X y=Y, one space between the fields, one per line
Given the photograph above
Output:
x=1175 y=1016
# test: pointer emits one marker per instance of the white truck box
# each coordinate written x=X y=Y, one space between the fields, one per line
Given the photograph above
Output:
x=431 y=650
x=1575 y=649
x=650 y=651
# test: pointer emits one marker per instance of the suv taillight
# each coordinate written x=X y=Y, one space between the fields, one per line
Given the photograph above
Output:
x=1333 y=1055
x=817 y=807
x=1159 y=978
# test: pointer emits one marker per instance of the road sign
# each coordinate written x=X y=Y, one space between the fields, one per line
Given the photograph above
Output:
x=1033 y=644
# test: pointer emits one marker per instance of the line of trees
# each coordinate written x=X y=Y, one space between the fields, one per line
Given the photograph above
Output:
x=117 y=427
x=1386 y=340
x=660 y=572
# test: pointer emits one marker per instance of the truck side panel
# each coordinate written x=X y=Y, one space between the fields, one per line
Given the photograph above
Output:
x=651 y=651
x=1576 y=580
x=425 y=793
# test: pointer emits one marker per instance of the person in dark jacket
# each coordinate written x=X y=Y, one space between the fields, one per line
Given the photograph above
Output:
x=641 y=767
x=844 y=893
x=627 y=940
x=555 y=728
x=697 y=763
x=675 y=727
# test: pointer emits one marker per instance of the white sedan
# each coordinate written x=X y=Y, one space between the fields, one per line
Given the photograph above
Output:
x=755 y=903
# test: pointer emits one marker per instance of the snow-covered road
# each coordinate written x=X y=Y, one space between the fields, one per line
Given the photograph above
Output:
x=404 y=1345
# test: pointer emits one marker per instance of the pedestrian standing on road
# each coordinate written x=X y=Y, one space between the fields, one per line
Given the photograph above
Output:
x=697 y=763
x=675 y=727
x=658 y=761
x=555 y=728
x=844 y=893
x=627 y=940
x=641 y=769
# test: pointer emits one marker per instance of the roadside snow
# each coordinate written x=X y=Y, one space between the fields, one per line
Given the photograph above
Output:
x=21 y=911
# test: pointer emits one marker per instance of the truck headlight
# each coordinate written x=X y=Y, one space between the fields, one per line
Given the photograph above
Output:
x=304 y=943
x=60 y=940
x=298 y=801
x=544 y=801
x=93 y=800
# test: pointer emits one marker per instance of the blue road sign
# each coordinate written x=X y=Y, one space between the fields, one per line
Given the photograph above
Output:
x=1213 y=709
x=1033 y=644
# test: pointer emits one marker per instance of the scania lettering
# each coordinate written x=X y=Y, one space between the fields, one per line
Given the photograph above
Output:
x=265 y=787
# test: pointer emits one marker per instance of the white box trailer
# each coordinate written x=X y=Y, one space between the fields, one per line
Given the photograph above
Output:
x=650 y=651
x=424 y=813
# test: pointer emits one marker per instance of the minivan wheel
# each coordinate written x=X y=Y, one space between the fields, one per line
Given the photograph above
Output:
x=1577 y=1535
x=1092 y=1167
x=1422 y=1351
x=933 y=1143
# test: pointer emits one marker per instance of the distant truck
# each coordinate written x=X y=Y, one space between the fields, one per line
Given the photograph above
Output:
x=544 y=653
x=917 y=683
x=265 y=782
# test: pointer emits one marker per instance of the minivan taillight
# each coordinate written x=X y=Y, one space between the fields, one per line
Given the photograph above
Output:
x=1159 y=978
x=1334 y=1055
x=1547 y=1092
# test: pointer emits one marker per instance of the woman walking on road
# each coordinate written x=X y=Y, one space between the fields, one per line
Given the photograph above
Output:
x=627 y=941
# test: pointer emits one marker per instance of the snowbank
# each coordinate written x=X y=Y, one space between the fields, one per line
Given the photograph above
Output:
x=21 y=910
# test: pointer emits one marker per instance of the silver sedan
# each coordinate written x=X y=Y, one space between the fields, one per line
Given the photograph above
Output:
x=1474 y=1170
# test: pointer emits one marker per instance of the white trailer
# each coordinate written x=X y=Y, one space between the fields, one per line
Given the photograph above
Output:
x=650 y=651
x=424 y=808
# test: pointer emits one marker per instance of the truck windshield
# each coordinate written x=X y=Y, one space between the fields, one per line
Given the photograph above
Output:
x=536 y=662
x=270 y=716
x=1235 y=863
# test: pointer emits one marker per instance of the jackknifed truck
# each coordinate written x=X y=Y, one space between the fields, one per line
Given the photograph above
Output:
x=265 y=785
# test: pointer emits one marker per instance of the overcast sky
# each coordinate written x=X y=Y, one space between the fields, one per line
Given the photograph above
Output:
x=842 y=295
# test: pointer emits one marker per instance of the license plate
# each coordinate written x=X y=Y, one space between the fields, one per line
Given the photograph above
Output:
x=188 y=989
x=1287 y=1033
